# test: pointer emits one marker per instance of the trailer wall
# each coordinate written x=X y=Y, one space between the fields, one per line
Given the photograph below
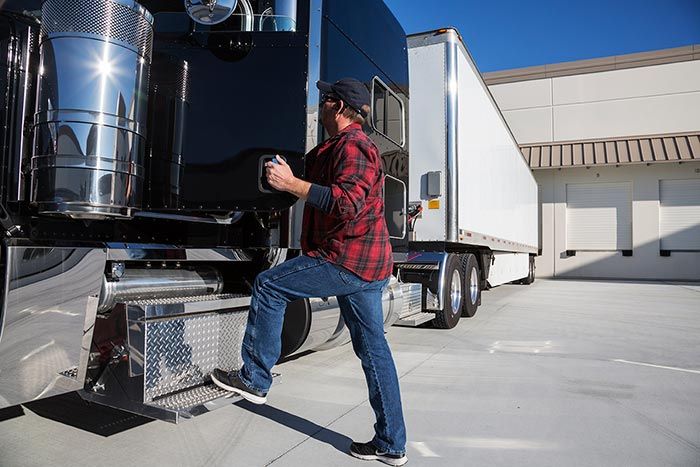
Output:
x=487 y=194
x=497 y=191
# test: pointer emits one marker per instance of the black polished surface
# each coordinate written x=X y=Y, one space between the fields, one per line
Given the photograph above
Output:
x=246 y=99
x=363 y=40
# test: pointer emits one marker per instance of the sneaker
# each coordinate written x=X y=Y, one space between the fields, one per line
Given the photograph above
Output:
x=230 y=381
x=369 y=452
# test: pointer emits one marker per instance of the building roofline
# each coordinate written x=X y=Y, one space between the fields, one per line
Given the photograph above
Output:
x=578 y=67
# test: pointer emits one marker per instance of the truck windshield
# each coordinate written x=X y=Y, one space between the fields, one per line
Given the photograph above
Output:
x=248 y=15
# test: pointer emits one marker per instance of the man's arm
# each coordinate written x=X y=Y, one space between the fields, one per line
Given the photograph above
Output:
x=355 y=173
x=280 y=177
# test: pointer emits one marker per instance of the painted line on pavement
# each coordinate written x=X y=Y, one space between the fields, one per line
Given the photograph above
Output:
x=697 y=372
x=423 y=449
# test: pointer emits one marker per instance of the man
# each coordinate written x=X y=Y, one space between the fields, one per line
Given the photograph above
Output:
x=346 y=253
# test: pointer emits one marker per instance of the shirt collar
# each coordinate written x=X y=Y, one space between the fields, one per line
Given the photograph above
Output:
x=347 y=129
x=352 y=126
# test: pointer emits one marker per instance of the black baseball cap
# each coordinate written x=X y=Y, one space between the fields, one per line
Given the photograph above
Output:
x=351 y=91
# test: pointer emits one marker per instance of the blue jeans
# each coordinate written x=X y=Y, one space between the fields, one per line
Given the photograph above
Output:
x=361 y=307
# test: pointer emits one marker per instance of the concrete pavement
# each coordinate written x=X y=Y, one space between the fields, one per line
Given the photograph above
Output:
x=559 y=373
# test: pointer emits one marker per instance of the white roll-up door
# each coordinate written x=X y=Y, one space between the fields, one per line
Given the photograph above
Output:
x=599 y=216
x=679 y=214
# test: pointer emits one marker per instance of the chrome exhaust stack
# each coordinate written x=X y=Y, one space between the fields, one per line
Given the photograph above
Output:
x=89 y=129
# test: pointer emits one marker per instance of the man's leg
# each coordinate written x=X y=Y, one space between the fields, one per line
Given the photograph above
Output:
x=300 y=277
x=362 y=312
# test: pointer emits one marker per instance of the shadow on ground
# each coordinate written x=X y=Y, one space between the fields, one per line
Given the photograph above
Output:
x=70 y=409
x=8 y=413
x=303 y=426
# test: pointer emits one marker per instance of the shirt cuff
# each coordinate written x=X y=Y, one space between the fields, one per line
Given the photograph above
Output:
x=320 y=197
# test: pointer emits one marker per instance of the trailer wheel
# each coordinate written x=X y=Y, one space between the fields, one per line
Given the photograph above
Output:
x=453 y=297
x=530 y=274
x=472 y=286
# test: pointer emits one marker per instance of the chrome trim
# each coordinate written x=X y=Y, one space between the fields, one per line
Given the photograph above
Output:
x=139 y=252
x=47 y=320
x=296 y=212
x=473 y=286
x=249 y=15
x=403 y=113
x=235 y=217
x=495 y=243
x=210 y=12
x=29 y=47
x=431 y=261
x=456 y=292
x=451 y=130
x=405 y=203
x=140 y=310
x=313 y=74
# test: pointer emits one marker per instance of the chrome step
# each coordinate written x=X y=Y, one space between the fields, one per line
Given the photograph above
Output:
x=415 y=319
x=185 y=401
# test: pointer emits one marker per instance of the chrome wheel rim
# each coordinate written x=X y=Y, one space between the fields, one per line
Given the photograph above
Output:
x=473 y=286
x=456 y=292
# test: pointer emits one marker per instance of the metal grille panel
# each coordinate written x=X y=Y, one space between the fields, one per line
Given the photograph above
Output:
x=411 y=299
x=104 y=18
x=181 y=352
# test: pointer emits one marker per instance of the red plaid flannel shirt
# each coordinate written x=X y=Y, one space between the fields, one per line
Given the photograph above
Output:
x=354 y=234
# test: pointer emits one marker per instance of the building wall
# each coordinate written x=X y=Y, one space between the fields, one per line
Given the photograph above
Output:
x=645 y=262
x=648 y=100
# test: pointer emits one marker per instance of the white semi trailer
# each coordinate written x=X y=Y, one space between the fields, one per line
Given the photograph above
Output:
x=473 y=200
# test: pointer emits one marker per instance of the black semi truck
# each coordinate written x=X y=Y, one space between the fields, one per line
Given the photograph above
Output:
x=135 y=210
x=133 y=201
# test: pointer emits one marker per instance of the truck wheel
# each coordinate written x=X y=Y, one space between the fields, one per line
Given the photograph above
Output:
x=452 y=297
x=530 y=273
x=472 y=288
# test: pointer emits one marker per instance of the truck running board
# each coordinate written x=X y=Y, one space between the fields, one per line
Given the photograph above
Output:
x=163 y=368
x=415 y=320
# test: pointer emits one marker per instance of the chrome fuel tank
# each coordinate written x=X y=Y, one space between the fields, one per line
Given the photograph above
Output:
x=89 y=133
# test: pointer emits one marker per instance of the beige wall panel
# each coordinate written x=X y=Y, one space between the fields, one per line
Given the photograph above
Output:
x=544 y=263
x=672 y=78
x=645 y=263
x=522 y=95
x=530 y=125
x=628 y=117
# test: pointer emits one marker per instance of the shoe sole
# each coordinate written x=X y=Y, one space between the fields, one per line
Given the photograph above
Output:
x=245 y=395
x=386 y=460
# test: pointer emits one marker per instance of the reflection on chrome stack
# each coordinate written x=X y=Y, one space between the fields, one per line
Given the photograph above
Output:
x=89 y=142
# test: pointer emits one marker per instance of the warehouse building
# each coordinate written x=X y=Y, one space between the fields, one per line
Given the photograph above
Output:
x=614 y=144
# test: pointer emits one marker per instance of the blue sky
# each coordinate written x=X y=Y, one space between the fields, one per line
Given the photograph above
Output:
x=503 y=34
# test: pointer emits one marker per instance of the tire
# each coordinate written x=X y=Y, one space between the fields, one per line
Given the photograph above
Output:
x=472 y=286
x=530 y=274
x=452 y=297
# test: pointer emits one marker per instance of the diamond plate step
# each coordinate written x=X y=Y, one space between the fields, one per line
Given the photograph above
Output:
x=412 y=294
x=186 y=400
x=415 y=319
